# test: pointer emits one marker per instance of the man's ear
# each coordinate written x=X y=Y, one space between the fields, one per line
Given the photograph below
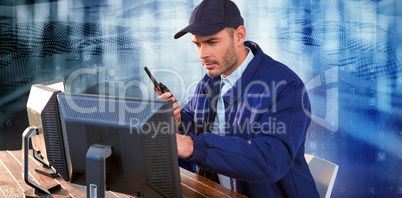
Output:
x=240 y=35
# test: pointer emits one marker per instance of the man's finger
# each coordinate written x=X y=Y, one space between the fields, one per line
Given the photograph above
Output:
x=177 y=110
x=166 y=95
x=176 y=105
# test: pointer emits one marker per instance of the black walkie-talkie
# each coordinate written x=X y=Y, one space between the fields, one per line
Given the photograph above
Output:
x=160 y=88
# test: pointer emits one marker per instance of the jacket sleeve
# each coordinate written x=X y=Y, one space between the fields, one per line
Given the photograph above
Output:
x=187 y=123
x=270 y=152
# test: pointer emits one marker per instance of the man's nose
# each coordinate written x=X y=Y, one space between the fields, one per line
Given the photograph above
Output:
x=204 y=52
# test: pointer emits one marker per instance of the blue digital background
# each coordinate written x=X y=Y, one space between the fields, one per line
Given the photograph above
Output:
x=348 y=52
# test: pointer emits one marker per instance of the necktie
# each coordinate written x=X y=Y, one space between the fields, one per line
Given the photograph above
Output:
x=219 y=126
x=220 y=118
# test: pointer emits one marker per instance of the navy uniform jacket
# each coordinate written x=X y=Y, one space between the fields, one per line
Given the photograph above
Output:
x=266 y=122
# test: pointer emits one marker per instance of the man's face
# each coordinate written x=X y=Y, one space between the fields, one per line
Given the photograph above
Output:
x=217 y=53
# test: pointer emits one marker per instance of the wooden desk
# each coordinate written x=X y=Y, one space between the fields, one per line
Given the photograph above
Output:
x=12 y=184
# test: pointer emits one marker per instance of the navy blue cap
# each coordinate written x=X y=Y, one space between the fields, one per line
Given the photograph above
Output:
x=212 y=16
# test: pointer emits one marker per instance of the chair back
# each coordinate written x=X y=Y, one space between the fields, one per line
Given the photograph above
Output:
x=324 y=174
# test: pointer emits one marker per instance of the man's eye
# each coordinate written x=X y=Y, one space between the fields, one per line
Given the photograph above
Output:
x=212 y=42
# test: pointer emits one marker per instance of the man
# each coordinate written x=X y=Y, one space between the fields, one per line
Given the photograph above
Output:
x=246 y=125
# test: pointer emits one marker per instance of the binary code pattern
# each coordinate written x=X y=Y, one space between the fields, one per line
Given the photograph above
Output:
x=347 y=52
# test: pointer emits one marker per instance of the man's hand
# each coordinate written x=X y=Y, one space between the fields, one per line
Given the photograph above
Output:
x=185 y=146
x=176 y=106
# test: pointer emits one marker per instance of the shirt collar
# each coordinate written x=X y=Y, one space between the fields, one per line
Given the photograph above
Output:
x=234 y=76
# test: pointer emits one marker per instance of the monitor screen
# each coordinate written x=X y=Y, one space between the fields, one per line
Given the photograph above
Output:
x=141 y=134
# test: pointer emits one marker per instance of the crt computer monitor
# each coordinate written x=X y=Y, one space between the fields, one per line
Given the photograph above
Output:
x=141 y=134
x=43 y=115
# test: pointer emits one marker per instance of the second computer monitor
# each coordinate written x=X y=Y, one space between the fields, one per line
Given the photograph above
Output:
x=141 y=134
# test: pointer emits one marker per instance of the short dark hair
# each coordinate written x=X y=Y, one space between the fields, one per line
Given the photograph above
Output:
x=230 y=31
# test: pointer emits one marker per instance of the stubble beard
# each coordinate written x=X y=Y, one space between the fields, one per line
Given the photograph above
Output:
x=229 y=63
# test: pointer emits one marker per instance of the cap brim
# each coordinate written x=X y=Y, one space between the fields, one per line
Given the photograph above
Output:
x=200 y=30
